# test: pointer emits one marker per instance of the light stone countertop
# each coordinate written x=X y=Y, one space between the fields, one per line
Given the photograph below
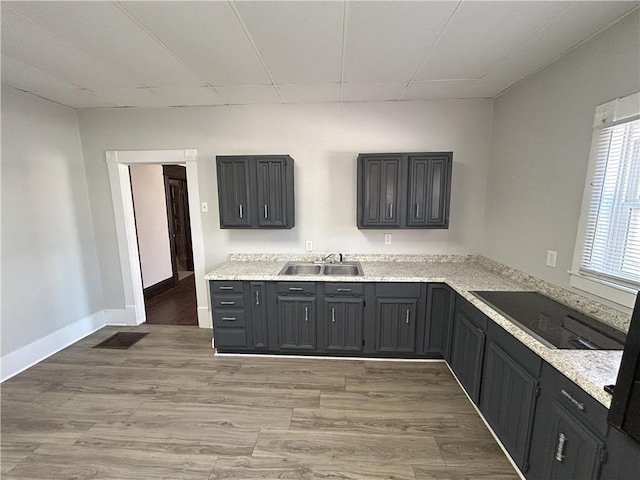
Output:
x=591 y=370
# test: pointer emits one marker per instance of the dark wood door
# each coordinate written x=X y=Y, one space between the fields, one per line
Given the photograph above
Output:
x=178 y=217
x=395 y=324
x=467 y=353
x=508 y=402
x=272 y=194
x=429 y=185
x=379 y=196
x=233 y=192
x=343 y=321
x=296 y=322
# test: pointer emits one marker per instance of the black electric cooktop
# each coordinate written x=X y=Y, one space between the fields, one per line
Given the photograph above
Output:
x=553 y=323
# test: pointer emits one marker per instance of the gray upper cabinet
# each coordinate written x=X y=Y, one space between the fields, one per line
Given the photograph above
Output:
x=256 y=191
x=404 y=190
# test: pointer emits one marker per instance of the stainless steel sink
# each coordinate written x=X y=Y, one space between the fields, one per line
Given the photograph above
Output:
x=344 y=269
x=301 y=269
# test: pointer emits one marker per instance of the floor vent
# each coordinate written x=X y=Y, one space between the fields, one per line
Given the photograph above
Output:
x=121 y=340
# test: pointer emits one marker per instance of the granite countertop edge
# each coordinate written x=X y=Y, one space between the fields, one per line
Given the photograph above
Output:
x=590 y=370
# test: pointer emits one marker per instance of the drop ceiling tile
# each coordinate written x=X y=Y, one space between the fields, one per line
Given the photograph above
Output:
x=186 y=96
x=310 y=93
x=387 y=41
x=250 y=94
x=133 y=97
x=25 y=77
x=106 y=32
x=441 y=89
x=301 y=42
x=208 y=38
x=32 y=45
x=372 y=92
x=570 y=28
x=76 y=98
x=482 y=34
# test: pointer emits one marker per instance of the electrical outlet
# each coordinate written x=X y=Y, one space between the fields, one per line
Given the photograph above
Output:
x=387 y=239
x=308 y=246
x=204 y=206
x=552 y=258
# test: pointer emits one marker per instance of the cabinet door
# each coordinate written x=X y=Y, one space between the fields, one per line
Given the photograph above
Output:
x=343 y=319
x=259 y=315
x=467 y=352
x=439 y=325
x=271 y=192
x=429 y=185
x=233 y=192
x=574 y=450
x=395 y=324
x=508 y=402
x=379 y=199
x=297 y=322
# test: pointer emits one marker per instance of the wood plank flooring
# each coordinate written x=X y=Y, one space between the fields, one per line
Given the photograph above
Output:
x=167 y=408
x=177 y=306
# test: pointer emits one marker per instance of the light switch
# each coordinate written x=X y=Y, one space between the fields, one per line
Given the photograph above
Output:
x=204 y=206
x=552 y=258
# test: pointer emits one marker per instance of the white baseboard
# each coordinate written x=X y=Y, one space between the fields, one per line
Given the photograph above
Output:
x=122 y=317
x=27 y=356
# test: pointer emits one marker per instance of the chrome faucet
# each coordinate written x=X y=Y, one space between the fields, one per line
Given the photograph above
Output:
x=334 y=255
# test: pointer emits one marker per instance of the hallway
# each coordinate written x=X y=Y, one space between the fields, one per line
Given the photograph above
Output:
x=174 y=307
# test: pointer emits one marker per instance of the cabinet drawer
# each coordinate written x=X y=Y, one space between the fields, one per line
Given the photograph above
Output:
x=343 y=288
x=230 y=338
x=298 y=288
x=226 y=287
x=398 y=290
x=228 y=318
x=228 y=300
x=471 y=313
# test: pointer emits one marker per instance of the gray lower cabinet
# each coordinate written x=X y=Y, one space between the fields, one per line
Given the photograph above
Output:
x=229 y=315
x=396 y=324
x=439 y=320
x=343 y=323
x=256 y=191
x=296 y=322
x=509 y=393
x=259 y=327
x=467 y=348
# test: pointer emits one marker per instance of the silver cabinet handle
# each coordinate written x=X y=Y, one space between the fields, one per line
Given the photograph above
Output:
x=295 y=289
x=406 y=320
x=306 y=314
x=390 y=210
x=562 y=439
x=257 y=298
x=227 y=303
x=225 y=288
x=417 y=210
x=231 y=319
x=576 y=403
x=343 y=289
x=266 y=211
x=333 y=314
x=241 y=211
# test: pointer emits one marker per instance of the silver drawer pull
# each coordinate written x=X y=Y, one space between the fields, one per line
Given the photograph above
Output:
x=406 y=320
x=225 y=288
x=306 y=314
x=230 y=319
x=562 y=439
x=576 y=403
x=227 y=303
x=295 y=289
x=257 y=298
x=333 y=314
x=343 y=289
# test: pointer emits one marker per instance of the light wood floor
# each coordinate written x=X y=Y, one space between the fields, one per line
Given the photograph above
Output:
x=168 y=409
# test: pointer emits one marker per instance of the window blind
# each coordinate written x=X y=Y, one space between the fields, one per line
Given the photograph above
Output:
x=612 y=241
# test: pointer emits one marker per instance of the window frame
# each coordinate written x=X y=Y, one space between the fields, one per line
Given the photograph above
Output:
x=616 y=111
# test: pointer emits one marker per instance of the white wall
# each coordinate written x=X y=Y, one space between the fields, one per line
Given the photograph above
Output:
x=324 y=141
x=540 y=149
x=149 y=203
x=50 y=271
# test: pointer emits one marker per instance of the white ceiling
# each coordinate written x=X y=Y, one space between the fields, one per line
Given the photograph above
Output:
x=160 y=54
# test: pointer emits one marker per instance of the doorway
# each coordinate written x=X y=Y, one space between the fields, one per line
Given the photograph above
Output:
x=132 y=309
x=176 y=195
